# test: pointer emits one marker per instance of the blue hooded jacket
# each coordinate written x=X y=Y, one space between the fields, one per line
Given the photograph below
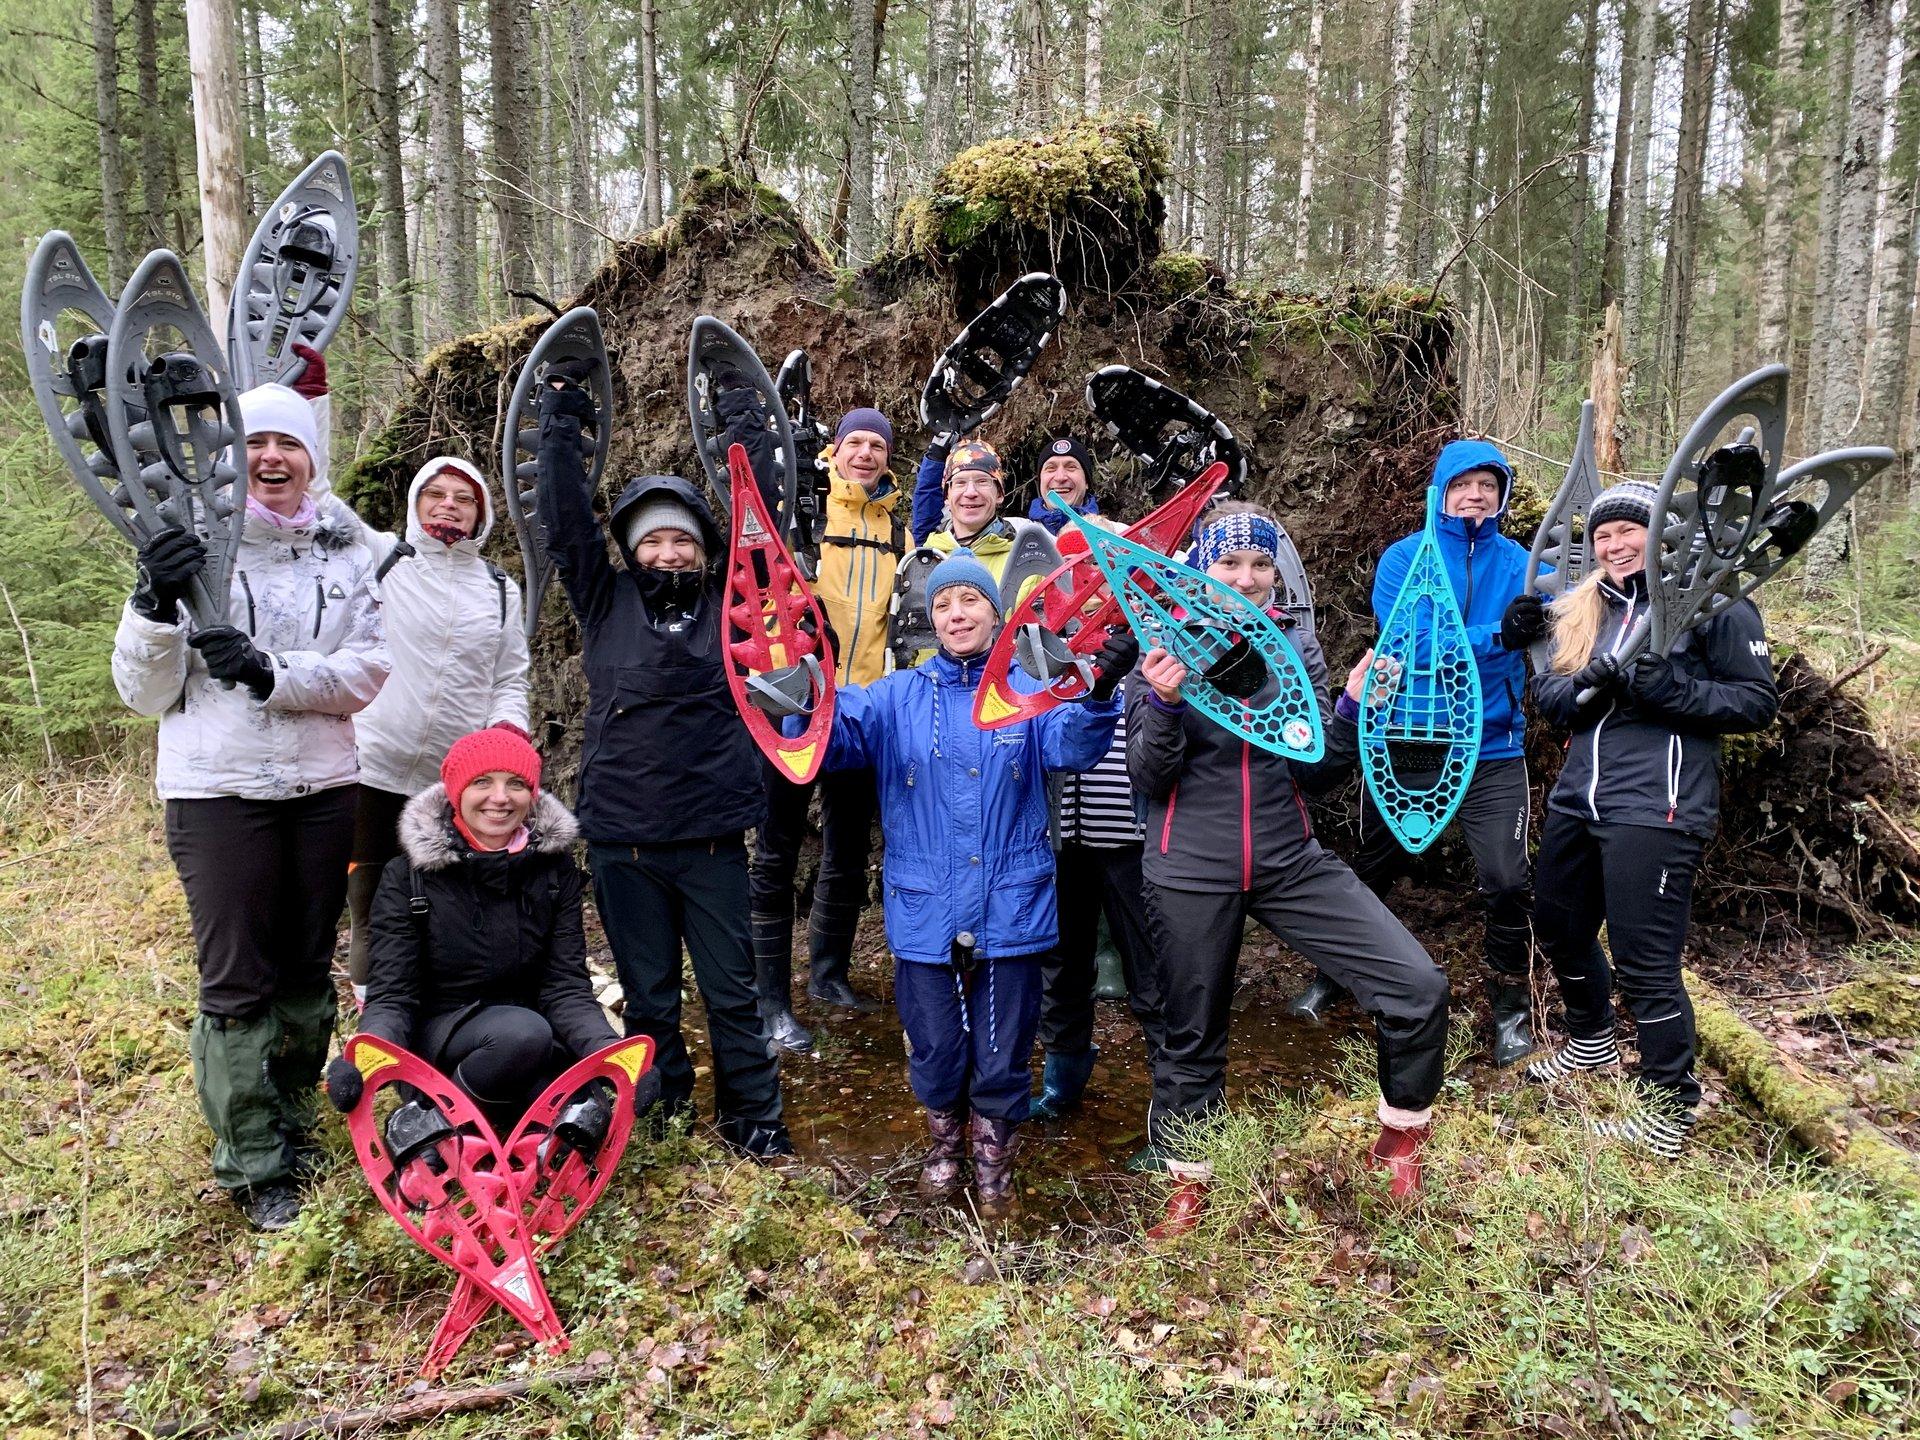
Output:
x=964 y=810
x=1487 y=570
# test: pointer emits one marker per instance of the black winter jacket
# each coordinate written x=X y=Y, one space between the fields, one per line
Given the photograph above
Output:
x=500 y=929
x=1650 y=755
x=665 y=757
x=1222 y=811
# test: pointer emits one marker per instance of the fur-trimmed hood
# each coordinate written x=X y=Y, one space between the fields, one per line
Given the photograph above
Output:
x=431 y=842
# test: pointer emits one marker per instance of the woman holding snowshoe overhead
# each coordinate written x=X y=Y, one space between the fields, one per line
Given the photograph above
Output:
x=259 y=776
x=1635 y=804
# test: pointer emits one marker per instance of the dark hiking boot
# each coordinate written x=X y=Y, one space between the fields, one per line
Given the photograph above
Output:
x=1185 y=1206
x=1512 y=1005
x=1397 y=1153
x=1149 y=1159
x=994 y=1145
x=940 y=1167
x=839 y=992
x=1109 y=975
x=1063 y=1084
x=269 y=1207
x=1313 y=1003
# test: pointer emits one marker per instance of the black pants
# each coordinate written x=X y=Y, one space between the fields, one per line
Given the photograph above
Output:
x=847 y=807
x=1493 y=818
x=1639 y=880
x=376 y=840
x=1320 y=908
x=502 y=1056
x=653 y=897
x=1090 y=880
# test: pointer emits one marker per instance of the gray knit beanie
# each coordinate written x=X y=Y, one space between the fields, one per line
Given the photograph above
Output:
x=663 y=512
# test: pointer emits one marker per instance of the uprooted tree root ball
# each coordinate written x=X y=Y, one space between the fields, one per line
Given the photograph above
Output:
x=1341 y=400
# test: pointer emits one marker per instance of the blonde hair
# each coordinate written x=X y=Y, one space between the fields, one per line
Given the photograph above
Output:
x=1577 y=617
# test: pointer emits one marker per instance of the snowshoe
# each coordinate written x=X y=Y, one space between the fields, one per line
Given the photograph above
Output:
x=1174 y=438
x=910 y=637
x=575 y=337
x=1562 y=554
x=1295 y=589
x=808 y=525
x=1420 y=720
x=990 y=357
x=718 y=361
x=1063 y=622
x=1035 y=556
x=1199 y=621
x=296 y=277
x=778 y=662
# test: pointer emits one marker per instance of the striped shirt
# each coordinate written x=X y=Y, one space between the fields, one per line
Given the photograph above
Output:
x=1096 y=806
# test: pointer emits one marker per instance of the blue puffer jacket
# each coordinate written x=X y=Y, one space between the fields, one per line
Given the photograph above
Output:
x=964 y=810
x=1487 y=570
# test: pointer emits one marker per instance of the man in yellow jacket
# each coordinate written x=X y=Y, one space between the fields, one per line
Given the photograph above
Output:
x=865 y=535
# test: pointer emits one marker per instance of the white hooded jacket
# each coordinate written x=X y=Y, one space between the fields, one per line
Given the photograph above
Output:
x=459 y=652
x=305 y=595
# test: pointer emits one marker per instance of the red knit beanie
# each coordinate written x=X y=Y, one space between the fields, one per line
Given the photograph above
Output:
x=483 y=752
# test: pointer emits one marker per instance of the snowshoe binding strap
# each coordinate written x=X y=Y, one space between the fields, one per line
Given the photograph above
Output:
x=1054 y=632
x=814 y=484
x=1421 y=699
x=562 y=1155
x=719 y=361
x=910 y=636
x=778 y=663
x=296 y=276
x=576 y=337
x=67 y=368
x=179 y=443
x=450 y=1186
x=1201 y=622
x=1174 y=438
x=1562 y=553
x=991 y=355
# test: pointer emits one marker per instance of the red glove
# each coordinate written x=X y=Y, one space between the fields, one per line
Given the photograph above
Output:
x=313 y=378
x=511 y=729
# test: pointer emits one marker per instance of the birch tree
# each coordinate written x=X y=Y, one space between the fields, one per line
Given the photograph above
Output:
x=1888 y=375
x=212 y=27
x=508 y=60
x=582 y=205
x=1613 y=244
x=652 y=207
x=1689 y=170
x=1639 y=239
x=1398 y=98
x=1096 y=44
x=860 y=57
x=1309 y=131
x=1219 y=129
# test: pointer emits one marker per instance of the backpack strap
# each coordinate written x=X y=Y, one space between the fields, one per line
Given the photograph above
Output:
x=500 y=584
x=401 y=550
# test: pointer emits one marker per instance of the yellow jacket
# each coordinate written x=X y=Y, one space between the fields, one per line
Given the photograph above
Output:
x=993 y=548
x=858 y=554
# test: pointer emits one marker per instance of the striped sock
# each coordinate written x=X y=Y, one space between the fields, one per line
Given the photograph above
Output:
x=1574 y=1056
x=1660 y=1131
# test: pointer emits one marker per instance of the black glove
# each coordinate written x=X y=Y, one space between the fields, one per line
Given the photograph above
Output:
x=1602 y=673
x=566 y=393
x=1524 y=622
x=344 y=1084
x=646 y=1092
x=740 y=409
x=942 y=445
x=1115 y=661
x=1651 y=679
x=166 y=566
x=232 y=656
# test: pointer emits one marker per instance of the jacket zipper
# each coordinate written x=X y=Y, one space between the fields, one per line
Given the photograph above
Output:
x=320 y=592
x=252 y=628
x=1467 y=609
x=1593 y=779
x=1246 y=815
x=1166 y=825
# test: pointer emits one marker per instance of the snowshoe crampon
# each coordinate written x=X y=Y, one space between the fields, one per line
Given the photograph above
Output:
x=174 y=421
x=575 y=337
x=64 y=320
x=1562 y=554
x=1174 y=438
x=1055 y=631
x=562 y=1155
x=778 y=661
x=448 y=1183
x=296 y=277
x=1420 y=706
x=815 y=482
x=720 y=363
x=991 y=356
x=1216 y=632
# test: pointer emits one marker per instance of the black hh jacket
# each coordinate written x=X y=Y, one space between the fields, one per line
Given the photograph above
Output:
x=499 y=929
x=665 y=757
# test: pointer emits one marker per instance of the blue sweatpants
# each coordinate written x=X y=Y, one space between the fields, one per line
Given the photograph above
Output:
x=984 y=1061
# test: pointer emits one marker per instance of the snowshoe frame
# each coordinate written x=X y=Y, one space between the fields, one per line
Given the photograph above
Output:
x=711 y=345
x=808 y=524
x=1562 y=553
x=1175 y=438
x=991 y=355
x=296 y=276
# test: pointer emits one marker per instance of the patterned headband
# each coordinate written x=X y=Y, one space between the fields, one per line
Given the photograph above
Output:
x=1240 y=531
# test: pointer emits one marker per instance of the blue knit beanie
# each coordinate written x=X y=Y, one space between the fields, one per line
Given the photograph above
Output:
x=961 y=568
x=864 y=418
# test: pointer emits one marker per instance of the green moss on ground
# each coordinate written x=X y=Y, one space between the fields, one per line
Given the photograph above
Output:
x=1880 y=1001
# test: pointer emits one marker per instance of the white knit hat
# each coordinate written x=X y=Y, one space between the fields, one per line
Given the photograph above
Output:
x=284 y=412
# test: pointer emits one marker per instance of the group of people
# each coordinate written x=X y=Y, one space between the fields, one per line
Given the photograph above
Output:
x=358 y=731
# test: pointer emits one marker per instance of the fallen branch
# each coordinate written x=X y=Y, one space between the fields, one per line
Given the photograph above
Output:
x=1815 y=1112
x=1872 y=658
x=1899 y=830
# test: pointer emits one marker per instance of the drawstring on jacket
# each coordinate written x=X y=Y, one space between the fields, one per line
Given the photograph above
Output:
x=993 y=1007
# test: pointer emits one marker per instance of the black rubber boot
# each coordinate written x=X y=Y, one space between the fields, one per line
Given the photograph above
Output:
x=839 y=992
x=1313 y=1003
x=773 y=980
x=1063 y=1084
x=1512 y=1004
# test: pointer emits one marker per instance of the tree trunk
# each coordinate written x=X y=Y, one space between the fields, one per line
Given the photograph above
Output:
x=652 y=200
x=1614 y=243
x=1604 y=385
x=1776 y=225
x=1683 y=229
x=1887 y=372
x=396 y=277
x=1309 y=132
x=1181 y=204
x=1399 y=93
x=1096 y=25
x=1219 y=129
x=156 y=176
x=1033 y=67
x=113 y=164
x=943 y=79
x=1426 y=189
x=508 y=62
x=1639 y=238
x=256 y=63
x=212 y=41
x=581 y=202
x=860 y=56
x=453 y=268
x=1833 y=139
x=1582 y=184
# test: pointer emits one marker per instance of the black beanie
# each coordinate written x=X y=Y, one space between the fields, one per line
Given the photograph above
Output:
x=1073 y=446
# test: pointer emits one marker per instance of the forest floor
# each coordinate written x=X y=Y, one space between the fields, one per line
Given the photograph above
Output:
x=1547 y=1286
